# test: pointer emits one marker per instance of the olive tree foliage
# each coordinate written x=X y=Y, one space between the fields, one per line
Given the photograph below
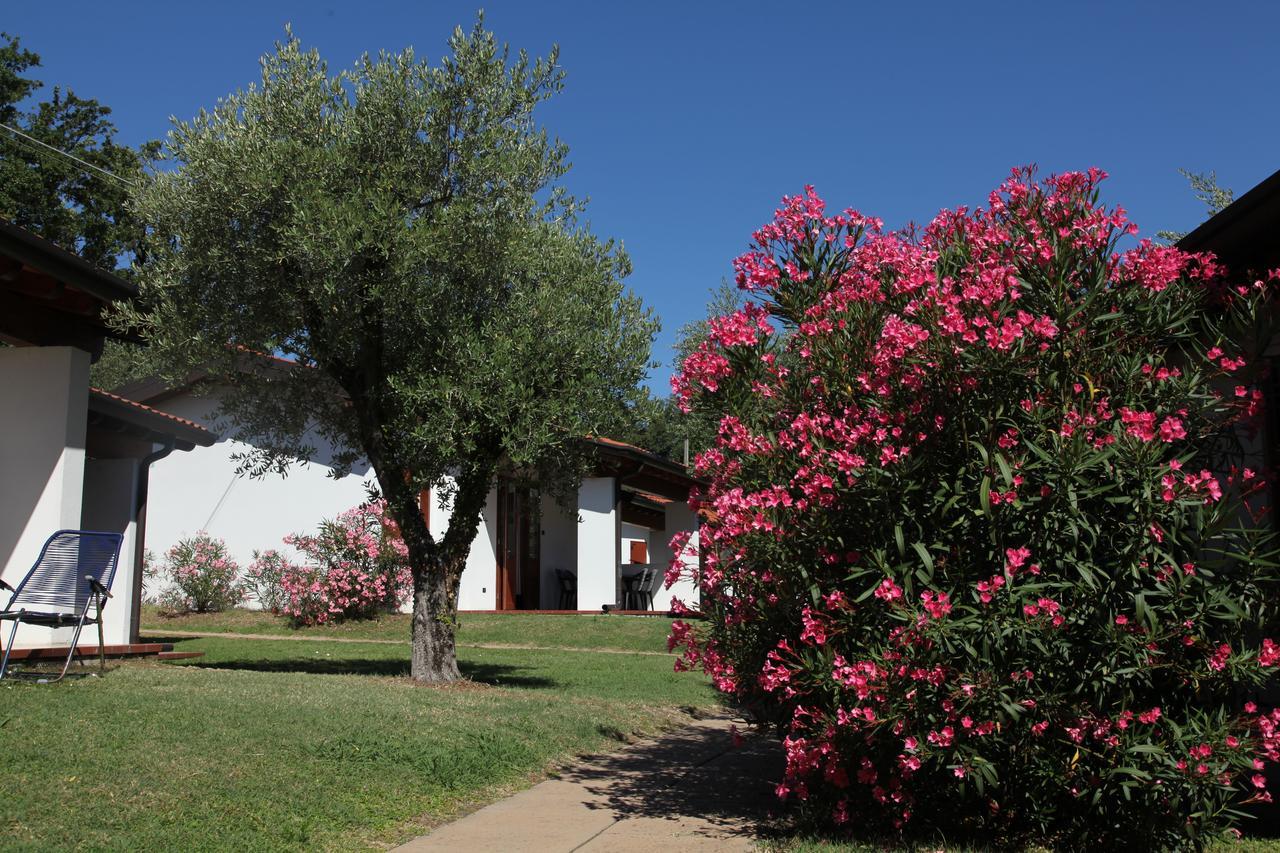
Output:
x=398 y=233
x=1215 y=198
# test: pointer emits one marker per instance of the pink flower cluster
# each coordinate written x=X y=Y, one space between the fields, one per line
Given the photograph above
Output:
x=353 y=568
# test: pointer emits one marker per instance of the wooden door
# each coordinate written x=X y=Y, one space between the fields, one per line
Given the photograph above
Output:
x=508 y=551
x=519 y=545
x=530 y=589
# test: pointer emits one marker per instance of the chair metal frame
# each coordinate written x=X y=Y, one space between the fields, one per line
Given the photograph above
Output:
x=66 y=580
x=568 y=589
x=645 y=588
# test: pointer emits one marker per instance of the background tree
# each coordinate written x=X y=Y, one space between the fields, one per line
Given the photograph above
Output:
x=80 y=207
x=398 y=230
x=657 y=423
x=1214 y=198
x=80 y=202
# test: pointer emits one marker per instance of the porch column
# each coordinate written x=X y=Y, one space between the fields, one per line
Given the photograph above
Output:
x=110 y=497
x=42 y=436
x=598 y=543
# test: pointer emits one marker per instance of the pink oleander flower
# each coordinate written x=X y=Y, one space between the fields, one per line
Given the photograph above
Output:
x=1270 y=654
x=936 y=605
x=888 y=591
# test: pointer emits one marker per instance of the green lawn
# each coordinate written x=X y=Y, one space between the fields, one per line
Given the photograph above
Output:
x=631 y=633
x=307 y=743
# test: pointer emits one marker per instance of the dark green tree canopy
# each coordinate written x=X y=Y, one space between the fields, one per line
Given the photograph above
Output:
x=80 y=207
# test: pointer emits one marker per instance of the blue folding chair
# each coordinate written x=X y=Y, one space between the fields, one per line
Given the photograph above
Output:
x=72 y=574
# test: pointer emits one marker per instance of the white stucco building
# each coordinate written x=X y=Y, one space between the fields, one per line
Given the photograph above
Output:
x=622 y=521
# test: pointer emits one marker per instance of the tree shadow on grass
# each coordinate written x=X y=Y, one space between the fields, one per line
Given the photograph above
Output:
x=499 y=675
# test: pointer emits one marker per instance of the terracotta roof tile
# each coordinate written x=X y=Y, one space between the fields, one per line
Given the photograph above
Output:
x=145 y=408
x=657 y=499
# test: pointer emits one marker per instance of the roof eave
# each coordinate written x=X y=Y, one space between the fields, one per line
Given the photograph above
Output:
x=158 y=424
x=1243 y=234
x=65 y=266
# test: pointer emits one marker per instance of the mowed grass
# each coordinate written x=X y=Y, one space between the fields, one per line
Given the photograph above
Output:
x=629 y=633
x=307 y=743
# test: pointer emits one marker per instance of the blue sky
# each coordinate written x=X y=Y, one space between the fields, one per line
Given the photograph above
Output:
x=687 y=121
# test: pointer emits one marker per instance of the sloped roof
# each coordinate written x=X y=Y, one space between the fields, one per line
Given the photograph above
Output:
x=67 y=267
x=1245 y=234
x=145 y=422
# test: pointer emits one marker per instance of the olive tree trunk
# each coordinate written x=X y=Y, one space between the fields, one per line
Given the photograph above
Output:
x=437 y=570
x=434 y=648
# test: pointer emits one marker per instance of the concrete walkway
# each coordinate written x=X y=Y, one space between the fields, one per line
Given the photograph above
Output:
x=688 y=790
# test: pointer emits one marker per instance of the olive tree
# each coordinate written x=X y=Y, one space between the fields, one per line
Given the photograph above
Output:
x=395 y=239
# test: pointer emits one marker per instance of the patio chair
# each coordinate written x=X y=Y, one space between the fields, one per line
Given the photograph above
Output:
x=642 y=589
x=72 y=574
x=568 y=589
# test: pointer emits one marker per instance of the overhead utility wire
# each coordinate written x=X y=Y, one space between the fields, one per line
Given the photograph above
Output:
x=69 y=156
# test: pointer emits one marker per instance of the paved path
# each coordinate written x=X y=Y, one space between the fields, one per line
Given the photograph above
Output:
x=231 y=635
x=688 y=790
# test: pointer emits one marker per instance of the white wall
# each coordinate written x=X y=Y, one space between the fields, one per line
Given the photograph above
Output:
x=200 y=490
x=110 y=495
x=479 y=589
x=46 y=395
x=598 y=544
x=679 y=517
x=559 y=548
x=634 y=533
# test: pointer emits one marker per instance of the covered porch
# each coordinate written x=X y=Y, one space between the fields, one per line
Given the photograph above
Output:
x=531 y=553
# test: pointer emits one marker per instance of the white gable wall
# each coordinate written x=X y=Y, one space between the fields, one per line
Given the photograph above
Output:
x=598 y=543
x=679 y=517
x=190 y=492
x=42 y=456
x=478 y=590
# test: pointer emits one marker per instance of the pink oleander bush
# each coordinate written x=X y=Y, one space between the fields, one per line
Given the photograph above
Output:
x=355 y=567
x=980 y=539
x=264 y=580
x=199 y=577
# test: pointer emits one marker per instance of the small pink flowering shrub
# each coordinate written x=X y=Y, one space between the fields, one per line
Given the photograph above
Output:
x=978 y=544
x=200 y=577
x=355 y=567
x=151 y=572
x=264 y=580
